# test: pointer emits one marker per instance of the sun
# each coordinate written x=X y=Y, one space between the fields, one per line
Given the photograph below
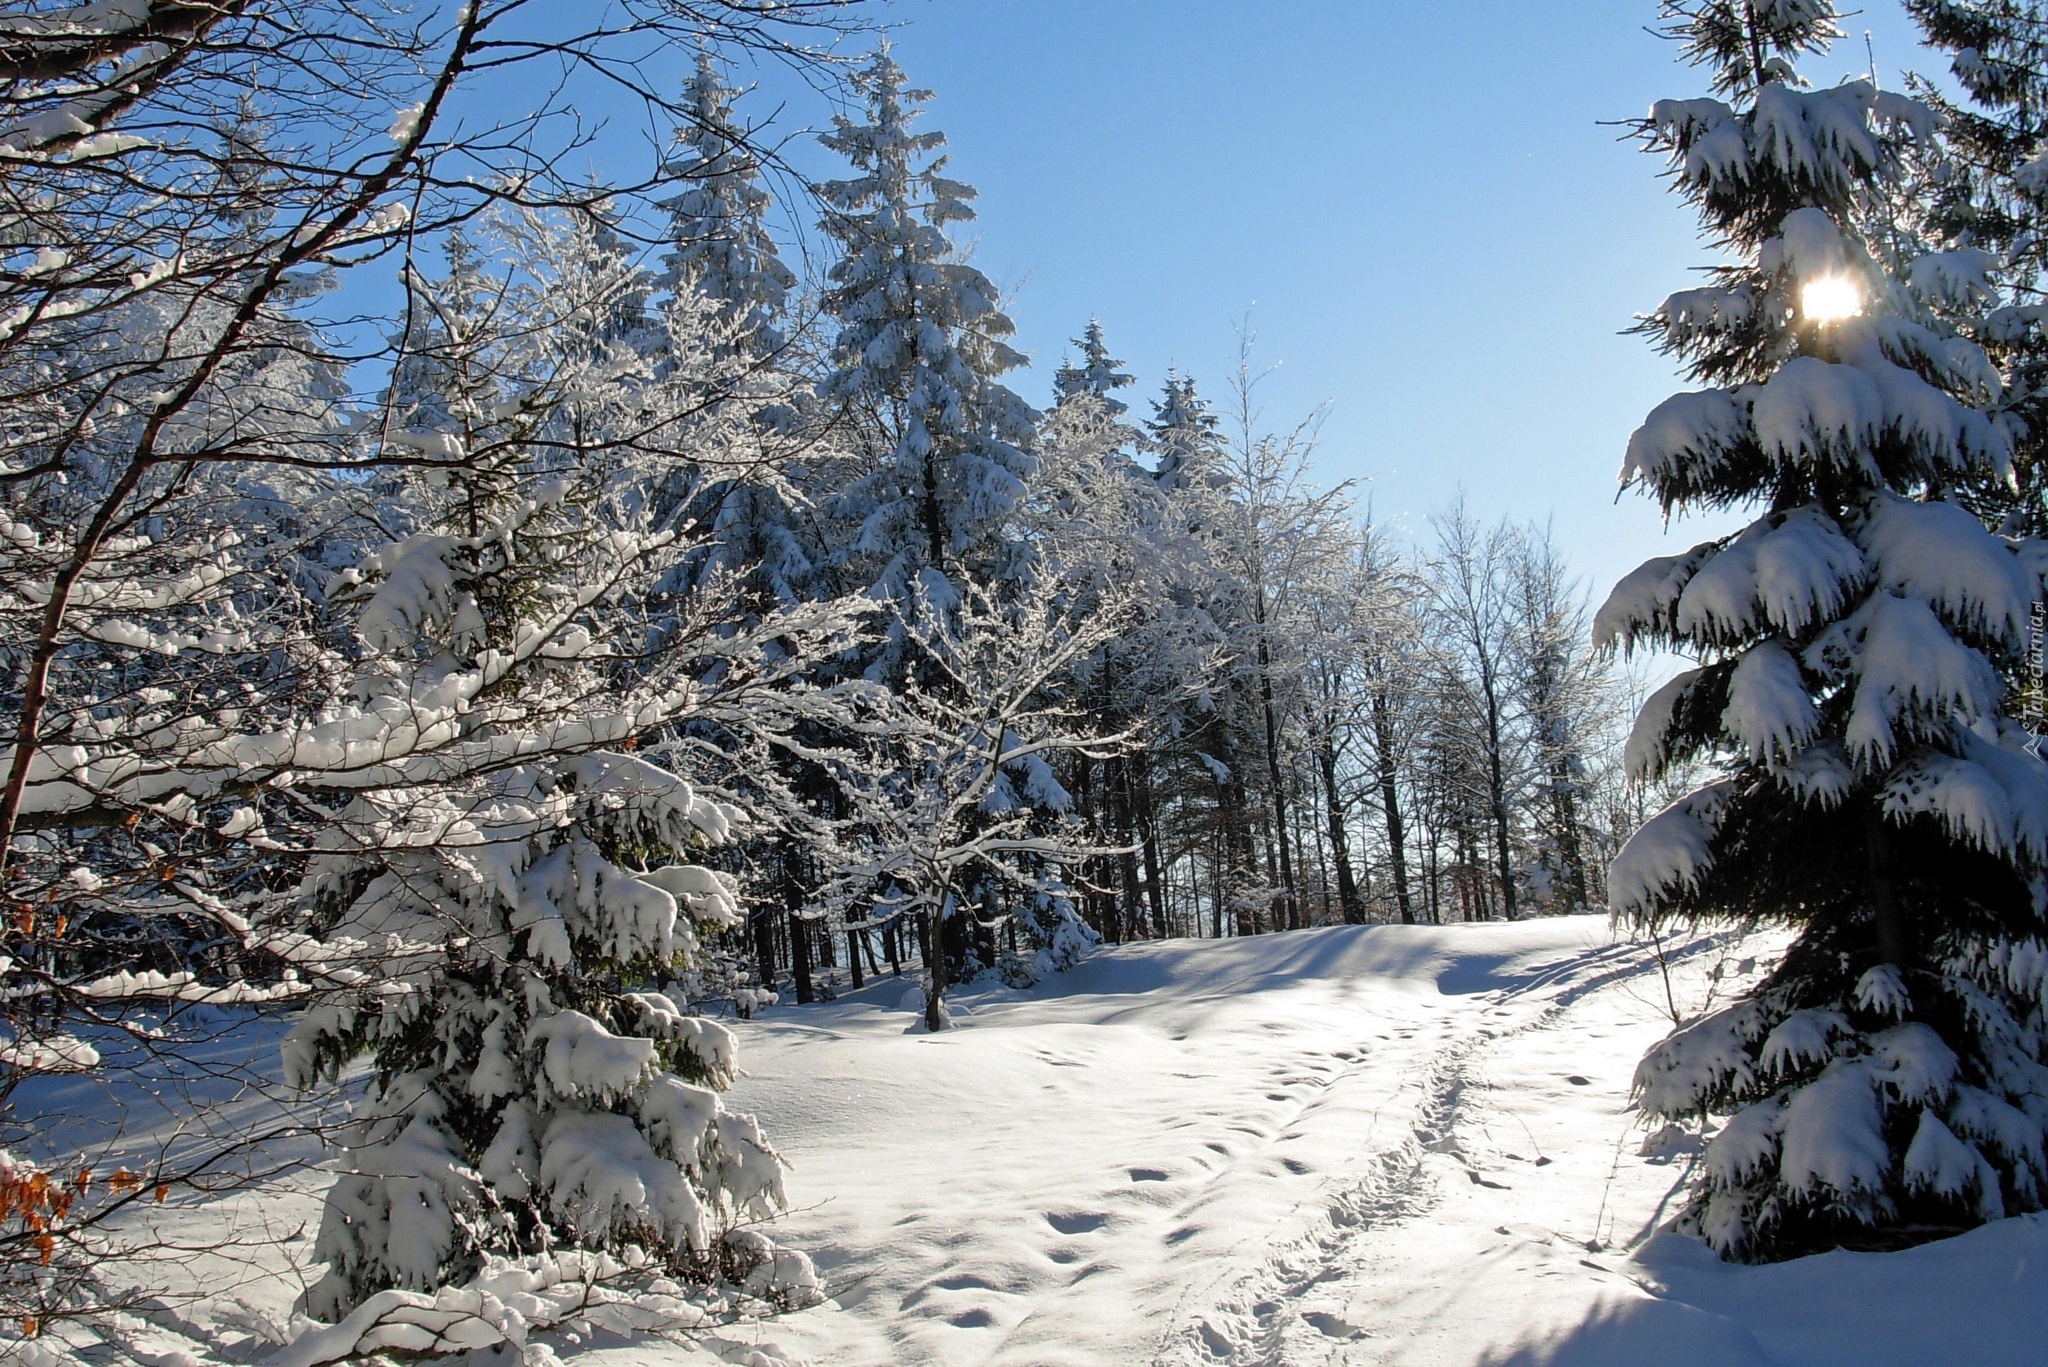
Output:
x=1830 y=298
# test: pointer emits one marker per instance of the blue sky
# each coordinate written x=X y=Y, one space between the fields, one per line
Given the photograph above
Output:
x=1418 y=206
x=1427 y=214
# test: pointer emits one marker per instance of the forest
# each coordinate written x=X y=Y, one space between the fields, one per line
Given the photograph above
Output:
x=485 y=650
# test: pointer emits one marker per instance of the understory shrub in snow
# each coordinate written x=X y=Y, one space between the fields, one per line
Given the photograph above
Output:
x=1886 y=1082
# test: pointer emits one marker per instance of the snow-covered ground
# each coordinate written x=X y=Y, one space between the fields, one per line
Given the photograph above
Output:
x=1385 y=1145
x=1390 y=1145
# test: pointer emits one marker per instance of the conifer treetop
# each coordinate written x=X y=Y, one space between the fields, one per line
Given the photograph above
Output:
x=722 y=248
x=921 y=347
x=1098 y=373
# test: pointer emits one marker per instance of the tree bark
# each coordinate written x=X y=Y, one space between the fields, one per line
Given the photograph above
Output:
x=764 y=947
x=1148 y=832
x=1348 y=903
x=1497 y=793
x=1290 y=908
x=800 y=960
x=1570 y=848
x=1390 y=802
x=935 y=967
x=1894 y=933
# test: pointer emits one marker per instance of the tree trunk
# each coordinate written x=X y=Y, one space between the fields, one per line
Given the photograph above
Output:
x=1232 y=815
x=1894 y=933
x=1497 y=795
x=1290 y=909
x=793 y=898
x=934 y=520
x=1148 y=832
x=1432 y=860
x=764 y=946
x=1348 y=904
x=1570 y=848
x=800 y=960
x=1390 y=802
x=1124 y=806
x=935 y=967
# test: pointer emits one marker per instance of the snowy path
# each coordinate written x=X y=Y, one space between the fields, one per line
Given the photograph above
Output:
x=1171 y=1152
x=1389 y=1146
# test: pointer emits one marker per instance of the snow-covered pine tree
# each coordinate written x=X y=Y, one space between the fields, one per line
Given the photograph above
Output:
x=513 y=841
x=1885 y=1082
x=1098 y=373
x=1184 y=433
x=719 y=242
x=919 y=352
x=1988 y=197
x=1094 y=515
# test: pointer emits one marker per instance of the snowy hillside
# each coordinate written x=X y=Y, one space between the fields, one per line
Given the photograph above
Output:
x=1382 y=1145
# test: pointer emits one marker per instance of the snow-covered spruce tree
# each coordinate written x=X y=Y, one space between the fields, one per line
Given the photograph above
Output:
x=1184 y=433
x=916 y=361
x=1094 y=516
x=721 y=253
x=1098 y=373
x=719 y=242
x=181 y=455
x=1885 y=1082
x=513 y=844
x=1989 y=197
x=1193 y=477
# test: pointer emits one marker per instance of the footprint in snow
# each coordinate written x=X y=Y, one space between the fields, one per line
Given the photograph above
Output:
x=1076 y=1222
x=1331 y=1326
x=964 y=1281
